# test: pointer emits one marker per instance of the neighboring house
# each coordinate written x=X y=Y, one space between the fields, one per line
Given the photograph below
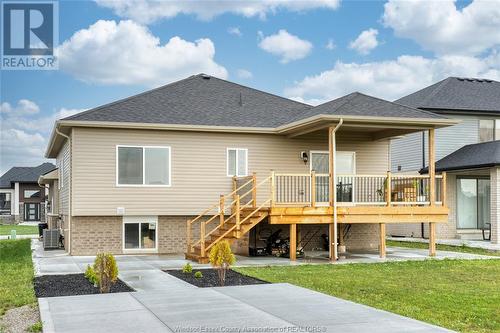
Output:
x=181 y=167
x=466 y=151
x=21 y=198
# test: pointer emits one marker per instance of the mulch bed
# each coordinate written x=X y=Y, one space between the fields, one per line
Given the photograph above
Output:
x=211 y=279
x=71 y=285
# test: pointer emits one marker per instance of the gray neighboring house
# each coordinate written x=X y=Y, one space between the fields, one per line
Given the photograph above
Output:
x=21 y=198
x=467 y=151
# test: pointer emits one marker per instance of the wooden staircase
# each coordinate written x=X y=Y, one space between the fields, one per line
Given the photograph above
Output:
x=242 y=219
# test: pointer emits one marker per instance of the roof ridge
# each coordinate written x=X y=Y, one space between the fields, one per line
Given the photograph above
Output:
x=405 y=106
x=436 y=90
x=97 y=108
x=260 y=91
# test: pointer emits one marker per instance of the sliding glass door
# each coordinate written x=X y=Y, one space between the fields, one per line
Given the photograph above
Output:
x=473 y=203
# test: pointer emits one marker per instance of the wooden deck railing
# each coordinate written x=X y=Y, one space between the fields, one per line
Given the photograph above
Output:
x=244 y=195
x=313 y=189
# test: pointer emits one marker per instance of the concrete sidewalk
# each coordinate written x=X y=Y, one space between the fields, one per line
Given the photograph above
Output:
x=184 y=308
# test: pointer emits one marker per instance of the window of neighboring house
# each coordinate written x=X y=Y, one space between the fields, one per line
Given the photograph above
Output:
x=237 y=162
x=486 y=130
x=143 y=166
x=5 y=202
x=497 y=129
x=28 y=194
x=139 y=232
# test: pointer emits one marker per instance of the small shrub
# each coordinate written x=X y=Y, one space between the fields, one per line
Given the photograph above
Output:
x=36 y=327
x=91 y=275
x=198 y=275
x=106 y=271
x=221 y=258
x=188 y=269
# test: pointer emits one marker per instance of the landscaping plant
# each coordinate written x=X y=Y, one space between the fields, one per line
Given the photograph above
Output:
x=187 y=268
x=106 y=271
x=198 y=275
x=221 y=258
x=91 y=276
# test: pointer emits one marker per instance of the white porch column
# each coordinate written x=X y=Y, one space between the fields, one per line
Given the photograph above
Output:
x=16 y=199
x=495 y=205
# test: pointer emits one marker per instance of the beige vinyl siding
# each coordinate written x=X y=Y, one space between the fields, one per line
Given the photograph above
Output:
x=198 y=161
x=63 y=162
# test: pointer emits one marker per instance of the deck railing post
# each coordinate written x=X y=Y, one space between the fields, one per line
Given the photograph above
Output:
x=238 y=217
x=313 y=188
x=188 y=236
x=254 y=190
x=273 y=188
x=235 y=186
x=443 y=189
x=221 y=210
x=202 y=239
x=388 y=189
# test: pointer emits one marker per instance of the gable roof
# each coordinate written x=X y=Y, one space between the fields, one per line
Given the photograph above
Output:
x=358 y=104
x=461 y=94
x=24 y=174
x=199 y=100
x=474 y=156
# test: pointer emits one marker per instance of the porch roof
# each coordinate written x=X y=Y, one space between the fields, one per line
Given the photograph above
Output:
x=474 y=156
x=49 y=177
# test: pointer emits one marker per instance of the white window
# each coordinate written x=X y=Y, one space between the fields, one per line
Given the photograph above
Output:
x=142 y=166
x=237 y=162
x=140 y=233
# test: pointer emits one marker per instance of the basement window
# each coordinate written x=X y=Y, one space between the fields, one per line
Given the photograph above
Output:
x=143 y=166
x=237 y=162
x=140 y=233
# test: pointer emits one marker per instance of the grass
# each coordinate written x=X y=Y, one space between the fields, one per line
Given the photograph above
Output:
x=16 y=274
x=20 y=229
x=461 y=295
x=442 y=247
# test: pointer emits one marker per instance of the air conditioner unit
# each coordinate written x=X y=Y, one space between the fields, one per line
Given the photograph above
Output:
x=50 y=239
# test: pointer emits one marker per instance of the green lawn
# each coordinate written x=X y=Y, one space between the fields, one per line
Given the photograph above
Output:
x=16 y=274
x=20 y=229
x=465 y=249
x=462 y=295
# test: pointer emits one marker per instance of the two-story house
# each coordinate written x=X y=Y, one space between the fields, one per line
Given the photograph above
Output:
x=21 y=198
x=468 y=152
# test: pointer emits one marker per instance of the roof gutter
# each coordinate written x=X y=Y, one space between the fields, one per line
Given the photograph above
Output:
x=69 y=188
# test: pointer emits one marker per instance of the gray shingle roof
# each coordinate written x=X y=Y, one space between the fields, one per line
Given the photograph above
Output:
x=358 y=104
x=199 y=100
x=478 y=155
x=24 y=174
x=455 y=93
x=206 y=100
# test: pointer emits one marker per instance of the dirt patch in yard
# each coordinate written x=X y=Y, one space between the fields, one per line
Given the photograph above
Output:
x=211 y=279
x=70 y=285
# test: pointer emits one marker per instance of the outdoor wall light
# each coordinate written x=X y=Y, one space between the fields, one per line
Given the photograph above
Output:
x=304 y=157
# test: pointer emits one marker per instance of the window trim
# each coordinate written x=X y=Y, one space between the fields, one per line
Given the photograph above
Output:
x=227 y=162
x=31 y=197
x=139 y=219
x=143 y=166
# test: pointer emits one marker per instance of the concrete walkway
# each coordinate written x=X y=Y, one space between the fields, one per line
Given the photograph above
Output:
x=479 y=244
x=184 y=308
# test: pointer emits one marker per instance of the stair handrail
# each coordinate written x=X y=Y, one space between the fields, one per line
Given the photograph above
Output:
x=220 y=213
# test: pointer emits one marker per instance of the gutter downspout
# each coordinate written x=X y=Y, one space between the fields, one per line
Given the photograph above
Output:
x=334 y=191
x=422 y=233
x=69 y=188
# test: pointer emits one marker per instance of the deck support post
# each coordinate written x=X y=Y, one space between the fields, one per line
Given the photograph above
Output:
x=293 y=242
x=221 y=210
x=432 y=191
x=432 y=239
x=382 y=240
x=202 y=239
x=188 y=236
